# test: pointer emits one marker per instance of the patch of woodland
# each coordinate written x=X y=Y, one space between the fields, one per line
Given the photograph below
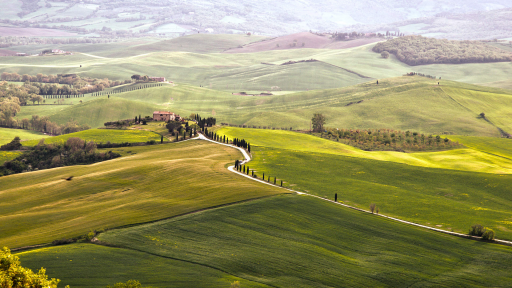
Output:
x=418 y=50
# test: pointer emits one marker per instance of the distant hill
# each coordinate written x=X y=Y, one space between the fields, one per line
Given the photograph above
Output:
x=481 y=25
x=121 y=17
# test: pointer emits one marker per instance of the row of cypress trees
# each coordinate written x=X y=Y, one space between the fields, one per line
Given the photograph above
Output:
x=247 y=170
x=125 y=90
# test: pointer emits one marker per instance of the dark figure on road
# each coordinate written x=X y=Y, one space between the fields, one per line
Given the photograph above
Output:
x=377 y=82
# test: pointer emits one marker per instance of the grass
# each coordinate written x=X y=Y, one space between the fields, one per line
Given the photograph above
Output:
x=297 y=241
x=149 y=183
x=495 y=146
x=7 y=135
x=103 y=136
x=452 y=198
x=8 y=155
x=458 y=159
x=86 y=265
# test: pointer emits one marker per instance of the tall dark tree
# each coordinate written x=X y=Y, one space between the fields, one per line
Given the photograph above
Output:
x=318 y=122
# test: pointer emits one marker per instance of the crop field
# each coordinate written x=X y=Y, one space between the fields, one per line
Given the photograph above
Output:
x=148 y=184
x=103 y=136
x=496 y=146
x=453 y=198
x=452 y=108
x=197 y=60
x=86 y=265
x=7 y=135
x=298 y=241
x=458 y=159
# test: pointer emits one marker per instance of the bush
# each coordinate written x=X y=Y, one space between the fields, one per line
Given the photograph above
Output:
x=12 y=274
x=13 y=145
x=477 y=230
x=488 y=234
x=128 y=284
x=385 y=54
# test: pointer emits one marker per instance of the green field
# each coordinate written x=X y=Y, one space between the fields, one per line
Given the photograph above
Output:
x=86 y=265
x=149 y=183
x=103 y=136
x=466 y=159
x=443 y=198
x=412 y=103
x=8 y=155
x=184 y=60
x=297 y=241
x=7 y=135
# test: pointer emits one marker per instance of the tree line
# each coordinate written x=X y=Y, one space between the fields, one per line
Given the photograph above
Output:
x=76 y=151
x=75 y=84
x=418 y=50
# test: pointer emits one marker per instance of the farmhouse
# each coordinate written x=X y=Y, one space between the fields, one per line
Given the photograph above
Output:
x=163 y=116
x=157 y=79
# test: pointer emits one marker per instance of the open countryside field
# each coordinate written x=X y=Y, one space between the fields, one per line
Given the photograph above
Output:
x=87 y=265
x=182 y=61
x=150 y=183
x=7 y=135
x=298 y=241
x=412 y=103
x=104 y=136
x=453 y=198
x=471 y=160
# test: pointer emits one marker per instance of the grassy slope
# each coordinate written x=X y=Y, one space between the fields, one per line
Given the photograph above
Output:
x=7 y=135
x=104 y=136
x=150 y=183
x=495 y=146
x=184 y=60
x=296 y=241
x=450 y=198
x=459 y=159
x=412 y=103
x=86 y=265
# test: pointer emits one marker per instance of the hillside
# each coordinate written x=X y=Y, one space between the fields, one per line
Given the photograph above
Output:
x=284 y=241
x=449 y=190
x=450 y=108
x=128 y=190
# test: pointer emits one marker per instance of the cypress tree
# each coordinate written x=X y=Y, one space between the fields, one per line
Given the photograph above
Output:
x=161 y=139
x=275 y=180
x=177 y=135
x=248 y=170
x=190 y=133
x=263 y=177
x=281 y=183
x=244 y=169
x=335 y=197
x=249 y=148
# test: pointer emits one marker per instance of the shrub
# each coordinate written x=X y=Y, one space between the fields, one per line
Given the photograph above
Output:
x=13 y=145
x=372 y=207
x=385 y=54
x=235 y=284
x=488 y=234
x=128 y=284
x=12 y=274
x=477 y=230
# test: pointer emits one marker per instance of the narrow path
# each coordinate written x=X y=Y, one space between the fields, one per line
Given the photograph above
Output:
x=248 y=158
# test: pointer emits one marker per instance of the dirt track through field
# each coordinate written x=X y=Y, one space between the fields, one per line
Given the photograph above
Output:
x=248 y=158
